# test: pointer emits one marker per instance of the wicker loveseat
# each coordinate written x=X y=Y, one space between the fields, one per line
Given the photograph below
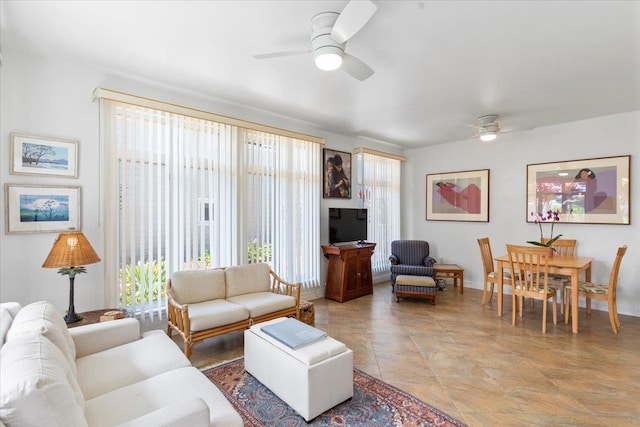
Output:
x=207 y=303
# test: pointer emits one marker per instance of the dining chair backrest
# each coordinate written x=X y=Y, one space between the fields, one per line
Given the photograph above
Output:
x=487 y=256
x=530 y=265
x=563 y=246
x=615 y=269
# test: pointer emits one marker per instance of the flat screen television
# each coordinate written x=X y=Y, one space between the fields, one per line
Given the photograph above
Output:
x=347 y=225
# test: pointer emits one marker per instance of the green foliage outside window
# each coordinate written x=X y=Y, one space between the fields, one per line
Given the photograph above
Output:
x=141 y=281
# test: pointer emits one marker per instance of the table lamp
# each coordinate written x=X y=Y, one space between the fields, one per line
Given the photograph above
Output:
x=70 y=251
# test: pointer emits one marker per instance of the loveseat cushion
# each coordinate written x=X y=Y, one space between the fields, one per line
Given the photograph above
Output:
x=107 y=370
x=44 y=318
x=261 y=303
x=212 y=314
x=178 y=385
x=246 y=279
x=38 y=388
x=192 y=286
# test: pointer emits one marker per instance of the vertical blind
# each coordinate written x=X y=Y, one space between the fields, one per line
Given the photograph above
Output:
x=282 y=198
x=380 y=194
x=189 y=193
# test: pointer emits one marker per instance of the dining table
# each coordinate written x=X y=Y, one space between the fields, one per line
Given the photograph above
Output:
x=566 y=265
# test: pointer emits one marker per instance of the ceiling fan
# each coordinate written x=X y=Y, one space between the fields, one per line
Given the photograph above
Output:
x=487 y=126
x=329 y=34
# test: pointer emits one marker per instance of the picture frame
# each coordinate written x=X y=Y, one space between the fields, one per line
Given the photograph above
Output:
x=34 y=155
x=458 y=196
x=586 y=191
x=336 y=181
x=41 y=208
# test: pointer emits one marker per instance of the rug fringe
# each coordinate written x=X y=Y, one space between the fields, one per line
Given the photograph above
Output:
x=215 y=365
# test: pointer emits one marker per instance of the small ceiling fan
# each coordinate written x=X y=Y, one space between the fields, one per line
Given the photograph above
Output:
x=487 y=127
x=329 y=34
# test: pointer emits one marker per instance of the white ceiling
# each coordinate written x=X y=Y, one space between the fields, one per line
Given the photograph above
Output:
x=439 y=64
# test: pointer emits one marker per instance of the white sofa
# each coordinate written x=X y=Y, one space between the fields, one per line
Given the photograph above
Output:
x=105 y=374
x=207 y=303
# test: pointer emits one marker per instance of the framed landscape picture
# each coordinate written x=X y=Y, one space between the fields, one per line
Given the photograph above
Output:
x=33 y=155
x=588 y=191
x=41 y=208
x=458 y=196
x=336 y=174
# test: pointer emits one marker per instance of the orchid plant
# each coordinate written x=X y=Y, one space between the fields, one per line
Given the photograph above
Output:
x=552 y=217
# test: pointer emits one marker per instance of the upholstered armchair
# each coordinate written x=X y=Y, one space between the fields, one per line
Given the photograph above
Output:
x=410 y=257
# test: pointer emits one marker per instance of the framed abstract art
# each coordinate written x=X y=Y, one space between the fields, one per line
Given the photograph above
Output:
x=458 y=196
x=588 y=191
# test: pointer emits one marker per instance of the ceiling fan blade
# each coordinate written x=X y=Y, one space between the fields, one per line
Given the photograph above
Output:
x=352 y=18
x=281 y=54
x=356 y=68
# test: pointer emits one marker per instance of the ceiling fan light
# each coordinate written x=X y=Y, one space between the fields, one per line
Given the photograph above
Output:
x=488 y=135
x=328 y=58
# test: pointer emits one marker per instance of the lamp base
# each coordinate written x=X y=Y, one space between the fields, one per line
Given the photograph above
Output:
x=72 y=317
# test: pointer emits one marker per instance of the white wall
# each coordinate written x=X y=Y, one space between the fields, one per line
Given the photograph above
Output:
x=507 y=158
x=39 y=97
x=44 y=98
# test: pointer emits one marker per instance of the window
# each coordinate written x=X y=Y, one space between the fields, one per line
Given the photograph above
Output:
x=187 y=193
x=379 y=192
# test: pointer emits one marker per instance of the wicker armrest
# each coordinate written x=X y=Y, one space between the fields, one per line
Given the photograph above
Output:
x=178 y=314
x=279 y=286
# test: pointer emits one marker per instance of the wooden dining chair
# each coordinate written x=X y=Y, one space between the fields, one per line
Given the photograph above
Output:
x=490 y=275
x=530 y=270
x=601 y=292
x=560 y=281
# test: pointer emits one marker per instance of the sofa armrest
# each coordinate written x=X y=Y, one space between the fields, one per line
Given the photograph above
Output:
x=190 y=413
x=97 y=337
x=279 y=286
x=393 y=259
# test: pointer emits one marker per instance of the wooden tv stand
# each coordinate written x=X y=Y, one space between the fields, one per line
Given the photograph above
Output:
x=349 y=273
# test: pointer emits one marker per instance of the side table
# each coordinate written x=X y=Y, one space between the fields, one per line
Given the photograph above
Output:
x=450 y=271
x=91 y=317
x=307 y=312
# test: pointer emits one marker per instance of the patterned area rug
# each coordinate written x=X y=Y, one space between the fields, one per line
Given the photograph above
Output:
x=374 y=403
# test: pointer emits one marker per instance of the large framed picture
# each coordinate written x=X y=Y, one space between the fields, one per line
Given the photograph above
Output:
x=337 y=174
x=41 y=208
x=458 y=196
x=33 y=155
x=588 y=191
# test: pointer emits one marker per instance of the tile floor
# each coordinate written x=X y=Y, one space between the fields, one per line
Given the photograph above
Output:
x=461 y=358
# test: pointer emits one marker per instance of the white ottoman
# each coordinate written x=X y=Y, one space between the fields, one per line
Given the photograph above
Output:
x=312 y=379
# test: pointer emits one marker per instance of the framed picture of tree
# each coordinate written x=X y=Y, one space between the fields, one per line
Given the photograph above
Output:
x=41 y=208
x=34 y=155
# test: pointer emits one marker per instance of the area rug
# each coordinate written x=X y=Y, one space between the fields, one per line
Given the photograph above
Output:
x=374 y=403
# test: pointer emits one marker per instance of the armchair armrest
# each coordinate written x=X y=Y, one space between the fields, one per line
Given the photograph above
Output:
x=428 y=261
x=191 y=413
x=97 y=337
x=393 y=259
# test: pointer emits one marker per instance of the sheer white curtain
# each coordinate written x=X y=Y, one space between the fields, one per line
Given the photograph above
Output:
x=379 y=191
x=184 y=192
x=282 y=200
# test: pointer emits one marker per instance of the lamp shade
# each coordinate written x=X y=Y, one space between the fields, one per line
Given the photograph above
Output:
x=71 y=249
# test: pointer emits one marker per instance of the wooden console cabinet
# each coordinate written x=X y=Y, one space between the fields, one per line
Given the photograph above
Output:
x=349 y=273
